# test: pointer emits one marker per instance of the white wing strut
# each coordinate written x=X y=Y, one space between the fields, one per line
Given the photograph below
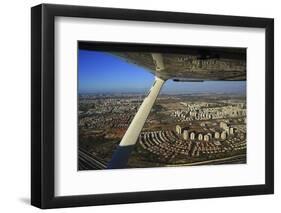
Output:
x=122 y=153
x=136 y=125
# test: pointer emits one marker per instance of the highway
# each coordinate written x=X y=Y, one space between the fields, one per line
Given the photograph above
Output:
x=229 y=160
x=88 y=161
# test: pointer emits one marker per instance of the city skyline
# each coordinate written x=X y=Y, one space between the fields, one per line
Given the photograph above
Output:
x=101 y=72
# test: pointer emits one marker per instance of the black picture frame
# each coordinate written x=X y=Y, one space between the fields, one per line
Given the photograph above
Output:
x=43 y=110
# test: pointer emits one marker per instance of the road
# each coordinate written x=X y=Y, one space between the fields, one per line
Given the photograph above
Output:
x=88 y=161
x=229 y=160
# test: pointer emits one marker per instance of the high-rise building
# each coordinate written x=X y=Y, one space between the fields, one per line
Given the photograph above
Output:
x=192 y=136
x=185 y=134
x=206 y=138
x=217 y=135
x=178 y=129
x=200 y=136
x=223 y=135
x=223 y=125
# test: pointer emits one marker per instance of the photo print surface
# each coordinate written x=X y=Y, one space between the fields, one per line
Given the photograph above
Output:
x=142 y=106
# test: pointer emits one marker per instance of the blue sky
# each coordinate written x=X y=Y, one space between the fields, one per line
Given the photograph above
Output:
x=100 y=72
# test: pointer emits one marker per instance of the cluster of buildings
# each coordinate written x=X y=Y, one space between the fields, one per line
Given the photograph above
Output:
x=221 y=133
x=205 y=112
x=106 y=122
x=169 y=145
x=107 y=113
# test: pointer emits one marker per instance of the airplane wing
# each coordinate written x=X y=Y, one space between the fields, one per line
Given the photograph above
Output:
x=185 y=67
x=181 y=63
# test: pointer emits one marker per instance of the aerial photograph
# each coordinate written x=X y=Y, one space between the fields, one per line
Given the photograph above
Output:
x=144 y=108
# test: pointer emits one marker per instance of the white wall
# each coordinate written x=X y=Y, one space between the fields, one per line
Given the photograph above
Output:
x=15 y=104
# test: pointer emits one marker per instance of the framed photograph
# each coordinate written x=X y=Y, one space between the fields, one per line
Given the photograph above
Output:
x=139 y=106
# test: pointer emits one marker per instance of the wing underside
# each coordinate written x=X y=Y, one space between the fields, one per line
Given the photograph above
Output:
x=188 y=67
x=179 y=62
